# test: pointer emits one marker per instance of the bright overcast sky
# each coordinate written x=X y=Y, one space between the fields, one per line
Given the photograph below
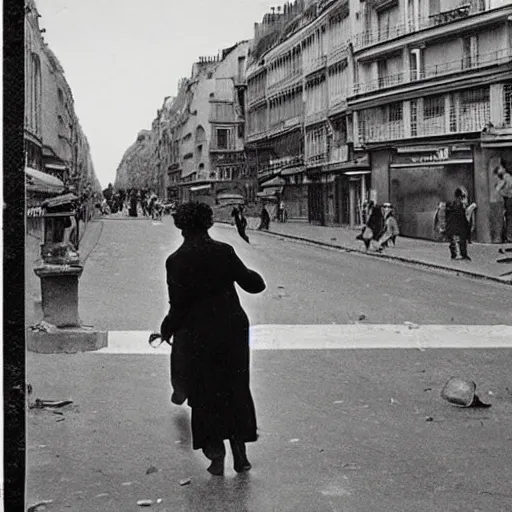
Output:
x=122 y=57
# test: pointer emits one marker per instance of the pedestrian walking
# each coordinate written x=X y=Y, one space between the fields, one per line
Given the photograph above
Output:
x=282 y=216
x=264 y=219
x=504 y=189
x=457 y=226
x=391 y=230
x=210 y=331
x=240 y=222
x=133 y=203
x=374 y=226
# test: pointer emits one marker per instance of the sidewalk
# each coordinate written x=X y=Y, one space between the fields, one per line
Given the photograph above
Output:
x=409 y=250
x=88 y=241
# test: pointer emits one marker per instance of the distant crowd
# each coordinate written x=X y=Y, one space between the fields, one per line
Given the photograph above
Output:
x=132 y=202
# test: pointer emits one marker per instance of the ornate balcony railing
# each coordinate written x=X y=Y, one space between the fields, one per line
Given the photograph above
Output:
x=338 y=154
x=465 y=9
x=497 y=57
x=288 y=80
x=315 y=64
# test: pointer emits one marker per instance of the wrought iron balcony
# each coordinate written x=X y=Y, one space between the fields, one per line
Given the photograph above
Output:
x=465 y=9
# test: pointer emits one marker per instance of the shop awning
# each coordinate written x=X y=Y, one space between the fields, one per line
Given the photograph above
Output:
x=199 y=187
x=274 y=182
x=60 y=200
x=56 y=167
x=270 y=192
x=225 y=196
x=39 y=181
x=297 y=169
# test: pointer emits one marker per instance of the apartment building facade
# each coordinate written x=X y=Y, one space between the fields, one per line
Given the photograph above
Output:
x=54 y=141
x=429 y=77
x=388 y=100
x=201 y=133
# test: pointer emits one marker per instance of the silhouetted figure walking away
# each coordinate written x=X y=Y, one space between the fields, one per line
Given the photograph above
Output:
x=210 y=330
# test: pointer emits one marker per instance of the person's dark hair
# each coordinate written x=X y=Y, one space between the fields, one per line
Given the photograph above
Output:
x=499 y=166
x=193 y=217
x=459 y=193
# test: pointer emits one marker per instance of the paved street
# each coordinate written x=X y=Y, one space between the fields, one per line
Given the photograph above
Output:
x=341 y=408
x=126 y=272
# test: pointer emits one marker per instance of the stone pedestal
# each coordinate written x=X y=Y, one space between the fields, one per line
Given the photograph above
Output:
x=60 y=329
x=59 y=291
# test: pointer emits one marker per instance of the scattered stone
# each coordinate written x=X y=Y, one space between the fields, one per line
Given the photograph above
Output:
x=151 y=469
x=338 y=402
x=320 y=449
x=39 y=507
x=102 y=495
x=60 y=419
x=362 y=317
x=294 y=440
x=427 y=389
x=159 y=500
x=462 y=393
x=126 y=484
x=333 y=239
x=40 y=404
x=429 y=418
x=185 y=481
x=411 y=325
x=145 y=503
x=393 y=401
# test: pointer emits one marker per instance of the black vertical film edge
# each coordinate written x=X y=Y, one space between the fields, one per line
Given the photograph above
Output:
x=13 y=271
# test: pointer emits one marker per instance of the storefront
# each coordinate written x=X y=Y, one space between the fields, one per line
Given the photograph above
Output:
x=495 y=148
x=295 y=193
x=337 y=192
x=422 y=177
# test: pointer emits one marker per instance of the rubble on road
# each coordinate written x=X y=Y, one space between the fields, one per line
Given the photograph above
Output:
x=462 y=393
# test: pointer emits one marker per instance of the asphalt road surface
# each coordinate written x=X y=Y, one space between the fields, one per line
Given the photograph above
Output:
x=123 y=284
x=350 y=429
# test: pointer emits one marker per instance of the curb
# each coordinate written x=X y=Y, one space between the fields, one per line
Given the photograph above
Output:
x=388 y=257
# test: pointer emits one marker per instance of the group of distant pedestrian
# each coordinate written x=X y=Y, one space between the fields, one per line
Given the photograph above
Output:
x=132 y=202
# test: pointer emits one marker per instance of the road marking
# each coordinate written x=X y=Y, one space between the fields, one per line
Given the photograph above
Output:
x=339 y=337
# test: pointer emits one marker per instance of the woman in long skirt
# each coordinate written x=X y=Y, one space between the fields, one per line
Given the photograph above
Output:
x=210 y=330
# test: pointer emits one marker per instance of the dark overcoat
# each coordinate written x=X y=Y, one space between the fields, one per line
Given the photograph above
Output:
x=456 y=221
x=210 y=355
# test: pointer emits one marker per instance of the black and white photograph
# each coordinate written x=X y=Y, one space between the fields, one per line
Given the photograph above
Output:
x=267 y=256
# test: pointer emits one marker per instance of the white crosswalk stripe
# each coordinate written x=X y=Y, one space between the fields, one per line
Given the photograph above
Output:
x=336 y=337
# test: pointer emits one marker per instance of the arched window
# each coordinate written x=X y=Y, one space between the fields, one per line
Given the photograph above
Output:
x=36 y=92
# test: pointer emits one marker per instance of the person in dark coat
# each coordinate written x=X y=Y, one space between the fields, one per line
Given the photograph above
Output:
x=210 y=330
x=374 y=226
x=240 y=222
x=264 y=219
x=457 y=226
x=133 y=203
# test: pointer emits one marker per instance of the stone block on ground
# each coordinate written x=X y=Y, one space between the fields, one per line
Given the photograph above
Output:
x=66 y=341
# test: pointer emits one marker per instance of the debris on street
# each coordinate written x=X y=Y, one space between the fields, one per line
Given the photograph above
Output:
x=362 y=317
x=185 y=481
x=462 y=393
x=294 y=440
x=41 y=404
x=411 y=325
x=39 y=507
x=151 y=469
x=429 y=418
x=145 y=503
